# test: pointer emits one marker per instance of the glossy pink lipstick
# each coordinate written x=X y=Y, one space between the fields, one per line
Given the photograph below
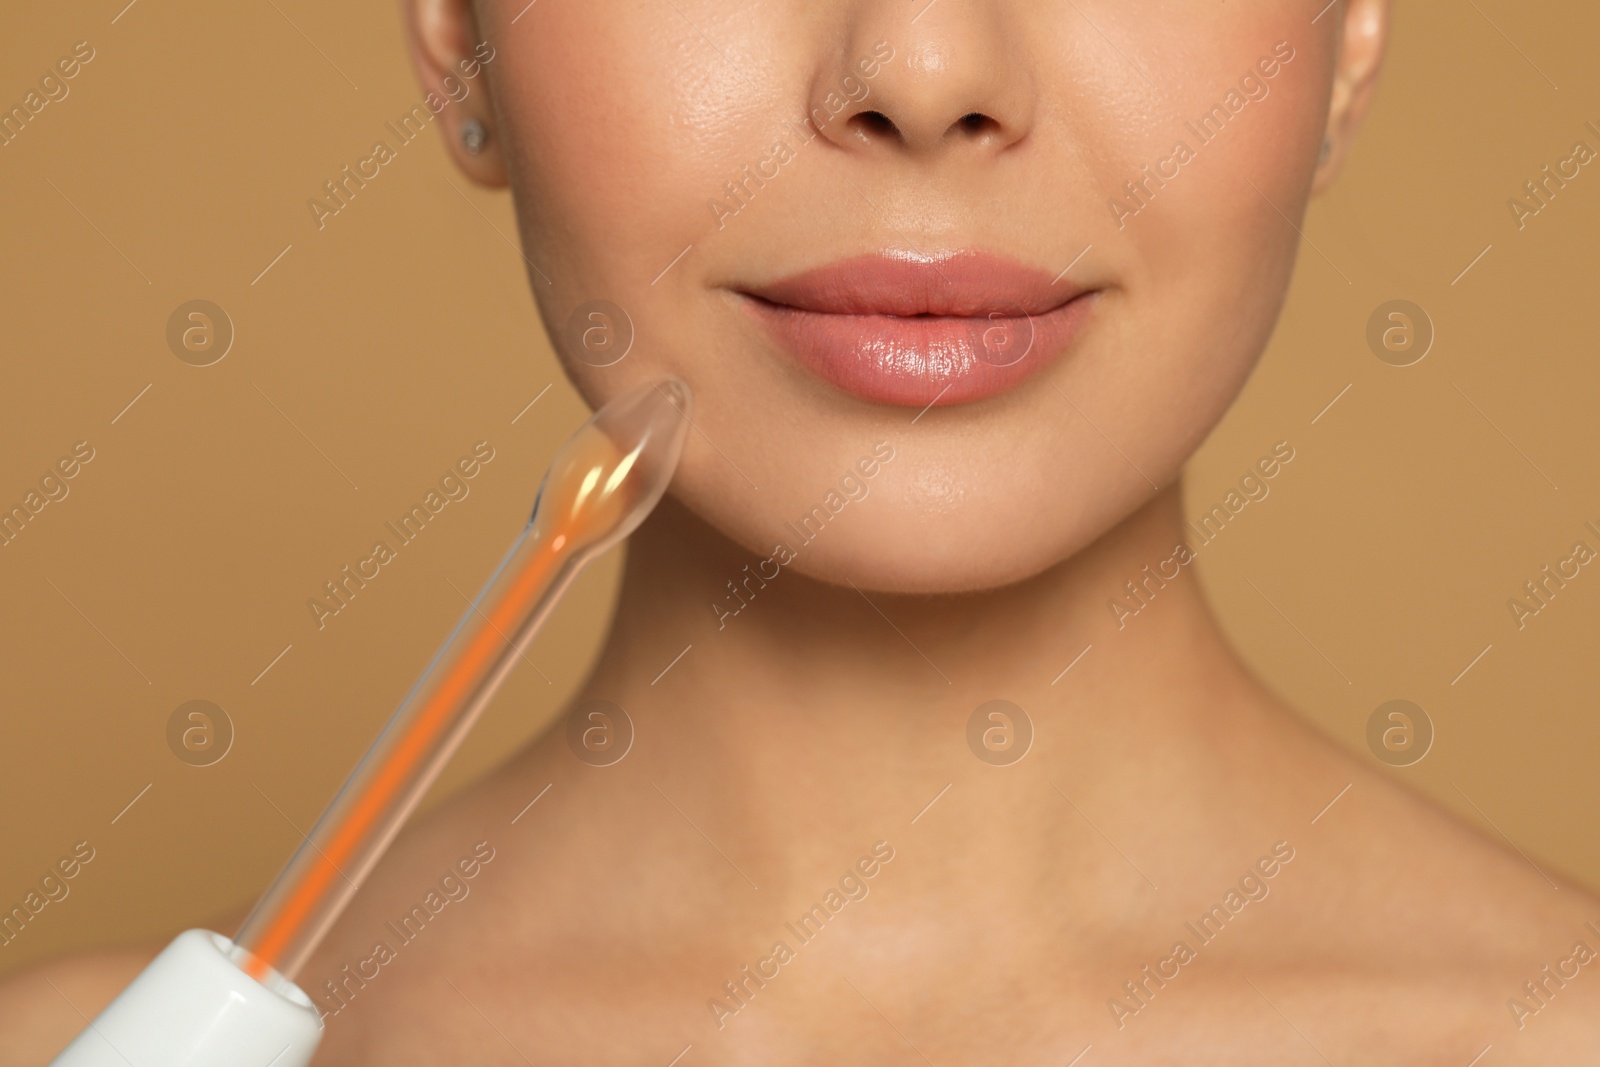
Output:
x=920 y=330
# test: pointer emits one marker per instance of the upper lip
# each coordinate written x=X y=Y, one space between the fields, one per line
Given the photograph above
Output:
x=955 y=284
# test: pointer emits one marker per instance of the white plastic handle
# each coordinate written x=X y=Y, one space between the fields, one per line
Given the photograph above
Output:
x=194 y=1007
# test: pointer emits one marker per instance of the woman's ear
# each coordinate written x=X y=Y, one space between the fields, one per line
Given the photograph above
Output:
x=451 y=61
x=1361 y=47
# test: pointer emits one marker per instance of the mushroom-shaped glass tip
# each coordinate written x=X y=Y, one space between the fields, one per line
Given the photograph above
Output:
x=615 y=469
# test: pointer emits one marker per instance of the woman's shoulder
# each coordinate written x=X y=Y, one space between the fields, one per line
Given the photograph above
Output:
x=43 y=1007
x=1413 y=923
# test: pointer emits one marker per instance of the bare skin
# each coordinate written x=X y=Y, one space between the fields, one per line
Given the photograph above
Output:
x=1013 y=909
x=817 y=741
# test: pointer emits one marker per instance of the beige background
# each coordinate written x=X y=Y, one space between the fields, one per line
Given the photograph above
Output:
x=376 y=351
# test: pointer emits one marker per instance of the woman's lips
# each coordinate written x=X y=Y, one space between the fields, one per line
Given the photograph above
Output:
x=918 y=331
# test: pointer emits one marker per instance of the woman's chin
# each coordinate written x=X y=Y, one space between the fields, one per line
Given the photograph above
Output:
x=882 y=548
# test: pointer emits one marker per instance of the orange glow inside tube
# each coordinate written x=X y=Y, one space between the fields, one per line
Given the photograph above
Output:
x=420 y=736
x=599 y=488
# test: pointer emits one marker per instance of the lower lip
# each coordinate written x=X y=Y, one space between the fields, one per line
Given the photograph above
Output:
x=924 y=360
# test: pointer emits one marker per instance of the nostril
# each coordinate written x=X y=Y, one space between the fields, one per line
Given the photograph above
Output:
x=875 y=124
x=975 y=124
x=876 y=127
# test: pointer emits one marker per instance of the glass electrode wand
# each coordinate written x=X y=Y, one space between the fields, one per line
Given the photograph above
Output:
x=207 y=1000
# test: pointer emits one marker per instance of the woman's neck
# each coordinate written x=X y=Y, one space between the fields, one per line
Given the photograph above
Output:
x=843 y=712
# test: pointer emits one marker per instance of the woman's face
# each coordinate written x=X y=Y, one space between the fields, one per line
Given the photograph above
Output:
x=1034 y=249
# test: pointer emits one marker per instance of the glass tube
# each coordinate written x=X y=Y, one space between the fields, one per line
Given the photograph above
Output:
x=599 y=488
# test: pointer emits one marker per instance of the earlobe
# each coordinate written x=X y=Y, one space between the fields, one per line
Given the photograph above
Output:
x=452 y=64
x=1364 y=36
x=476 y=150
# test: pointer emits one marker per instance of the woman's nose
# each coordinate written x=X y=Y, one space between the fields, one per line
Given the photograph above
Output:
x=955 y=80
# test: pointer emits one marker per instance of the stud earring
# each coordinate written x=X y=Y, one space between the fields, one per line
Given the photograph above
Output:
x=474 y=136
x=1327 y=150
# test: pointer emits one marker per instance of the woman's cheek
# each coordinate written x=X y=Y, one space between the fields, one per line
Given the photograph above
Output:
x=620 y=148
